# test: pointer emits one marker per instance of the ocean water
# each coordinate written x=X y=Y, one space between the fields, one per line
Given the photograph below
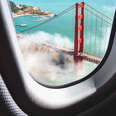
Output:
x=68 y=20
x=65 y=25
x=60 y=31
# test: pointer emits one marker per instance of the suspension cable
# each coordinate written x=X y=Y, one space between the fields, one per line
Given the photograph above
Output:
x=98 y=16
x=86 y=28
x=50 y=19
x=96 y=35
x=105 y=38
x=101 y=29
x=98 y=11
x=91 y=29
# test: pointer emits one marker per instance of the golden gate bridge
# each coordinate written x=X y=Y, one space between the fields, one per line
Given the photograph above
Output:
x=80 y=51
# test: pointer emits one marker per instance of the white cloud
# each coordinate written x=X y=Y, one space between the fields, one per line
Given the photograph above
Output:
x=41 y=63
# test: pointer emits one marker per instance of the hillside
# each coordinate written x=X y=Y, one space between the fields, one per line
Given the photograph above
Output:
x=22 y=10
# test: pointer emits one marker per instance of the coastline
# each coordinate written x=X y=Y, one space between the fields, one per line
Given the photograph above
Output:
x=23 y=10
x=21 y=15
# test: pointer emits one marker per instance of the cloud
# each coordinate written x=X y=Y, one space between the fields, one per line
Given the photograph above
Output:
x=43 y=37
x=48 y=66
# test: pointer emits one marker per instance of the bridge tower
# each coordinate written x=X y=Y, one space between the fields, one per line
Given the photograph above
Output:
x=79 y=31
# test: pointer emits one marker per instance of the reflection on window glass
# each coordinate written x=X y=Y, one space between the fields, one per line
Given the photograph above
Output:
x=62 y=41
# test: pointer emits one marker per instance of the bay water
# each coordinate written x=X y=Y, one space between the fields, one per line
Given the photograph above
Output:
x=62 y=31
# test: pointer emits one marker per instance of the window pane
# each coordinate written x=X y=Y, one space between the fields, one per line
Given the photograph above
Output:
x=62 y=41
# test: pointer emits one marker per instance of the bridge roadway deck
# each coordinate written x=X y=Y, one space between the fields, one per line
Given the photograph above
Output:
x=85 y=56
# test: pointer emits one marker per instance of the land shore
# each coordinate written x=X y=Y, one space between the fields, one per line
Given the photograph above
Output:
x=23 y=10
x=21 y=15
x=15 y=15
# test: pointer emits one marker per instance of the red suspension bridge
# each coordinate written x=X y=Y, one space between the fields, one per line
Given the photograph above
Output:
x=85 y=42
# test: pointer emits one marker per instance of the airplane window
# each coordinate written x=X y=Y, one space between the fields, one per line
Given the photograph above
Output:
x=62 y=41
